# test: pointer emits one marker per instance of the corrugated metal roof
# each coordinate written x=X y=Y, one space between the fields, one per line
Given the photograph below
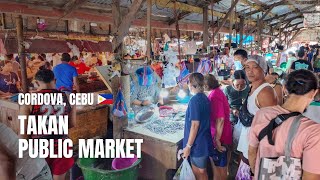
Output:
x=165 y=14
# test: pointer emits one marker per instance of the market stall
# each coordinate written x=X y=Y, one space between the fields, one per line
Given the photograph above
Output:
x=92 y=121
x=162 y=138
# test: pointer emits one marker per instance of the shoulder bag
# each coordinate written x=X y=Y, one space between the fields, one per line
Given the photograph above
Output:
x=245 y=116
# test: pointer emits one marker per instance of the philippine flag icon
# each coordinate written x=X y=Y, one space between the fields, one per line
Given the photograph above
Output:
x=105 y=99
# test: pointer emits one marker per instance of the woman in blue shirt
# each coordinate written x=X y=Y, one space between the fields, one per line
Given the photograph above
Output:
x=197 y=141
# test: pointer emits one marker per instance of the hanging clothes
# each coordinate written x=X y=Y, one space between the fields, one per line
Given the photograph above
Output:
x=205 y=66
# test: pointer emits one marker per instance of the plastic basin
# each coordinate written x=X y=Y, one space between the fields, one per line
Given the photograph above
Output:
x=91 y=173
x=123 y=163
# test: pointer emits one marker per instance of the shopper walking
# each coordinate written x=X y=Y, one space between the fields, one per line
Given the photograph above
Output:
x=302 y=86
x=197 y=141
x=301 y=63
x=66 y=75
x=221 y=130
x=236 y=93
x=261 y=95
x=59 y=166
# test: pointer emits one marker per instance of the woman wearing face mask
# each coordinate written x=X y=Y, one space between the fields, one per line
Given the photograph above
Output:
x=302 y=86
x=221 y=130
x=236 y=93
x=197 y=141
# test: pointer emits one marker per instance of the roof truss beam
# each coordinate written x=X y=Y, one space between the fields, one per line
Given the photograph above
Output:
x=181 y=15
x=72 y=5
x=286 y=20
x=296 y=11
x=224 y=20
x=267 y=8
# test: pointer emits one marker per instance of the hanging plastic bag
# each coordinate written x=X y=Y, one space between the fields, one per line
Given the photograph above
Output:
x=119 y=107
x=184 y=74
x=145 y=76
x=184 y=172
x=205 y=67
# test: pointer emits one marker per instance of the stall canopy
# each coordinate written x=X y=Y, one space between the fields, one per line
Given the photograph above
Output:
x=56 y=46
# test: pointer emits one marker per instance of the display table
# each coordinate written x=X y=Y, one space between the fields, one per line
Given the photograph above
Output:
x=159 y=151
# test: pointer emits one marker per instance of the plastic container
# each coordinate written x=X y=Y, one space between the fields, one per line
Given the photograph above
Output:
x=164 y=107
x=145 y=76
x=91 y=173
x=123 y=163
x=131 y=117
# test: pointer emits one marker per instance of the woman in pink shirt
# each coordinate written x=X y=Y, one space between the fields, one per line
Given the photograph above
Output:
x=220 y=124
x=302 y=86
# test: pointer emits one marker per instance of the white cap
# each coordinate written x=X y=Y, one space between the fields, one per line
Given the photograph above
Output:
x=260 y=61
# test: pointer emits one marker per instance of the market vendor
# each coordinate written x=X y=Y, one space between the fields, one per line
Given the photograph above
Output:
x=15 y=65
x=94 y=61
x=145 y=93
x=9 y=81
x=80 y=66
x=66 y=75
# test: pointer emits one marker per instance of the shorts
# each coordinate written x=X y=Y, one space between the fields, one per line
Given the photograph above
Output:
x=220 y=159
x=60 y=166
x=199 y=162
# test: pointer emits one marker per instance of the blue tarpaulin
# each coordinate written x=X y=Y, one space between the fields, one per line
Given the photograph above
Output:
x=247 y=39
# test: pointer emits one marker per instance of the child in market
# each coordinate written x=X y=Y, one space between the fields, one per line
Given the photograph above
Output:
x=197 y=141
x=45 y=78
x=221 y=129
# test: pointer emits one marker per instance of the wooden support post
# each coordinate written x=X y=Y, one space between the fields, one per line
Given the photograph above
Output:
x=285 y=38
x=3 y=20
x=230 y=26
x=280 y=33
x=205 y=28
x=241 y=31
x=219 y=40
x=177 y=28
x=149 y=8
x=212 y=25
x=109 y=29
x=122 y=29
x=21 y=52
x=260 y=24
x=260 y=20
x=66 y=24
x=251 y=44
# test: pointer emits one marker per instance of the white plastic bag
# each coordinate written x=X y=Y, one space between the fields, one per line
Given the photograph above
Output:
x=236 y=133
x=185 y=172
